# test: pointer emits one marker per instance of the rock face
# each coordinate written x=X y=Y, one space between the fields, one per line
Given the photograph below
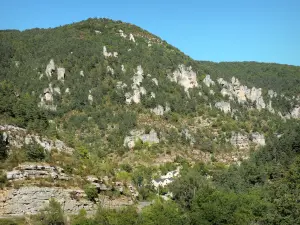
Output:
x=110 y=70
x=29 y=200
x=36 y=170
x=61 y=74
x=208 y=81
x=243 y=93
x=185 y=77
x=131 y=37
x=137 y=135
x=17 y=137
x=138 y=90
x=241 y=141
x=223 y=106
x=109 y=54
x=258 y=139
x=47 y=100
x=296 y=113
x=160 y=111
x=50 y=68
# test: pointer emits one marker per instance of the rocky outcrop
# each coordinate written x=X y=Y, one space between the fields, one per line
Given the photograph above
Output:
x=81 y=73
x=208 y=81
x=137 y=135
x=35 y=171
x=223 y=106
x=185 y=77
x=138 y=90
x=258 y=139
x=109 y=54
x=61 y=74
x=296 y=112
x=121 y=32
x=47 y=99
x=90 y=97
x=239 y=141
x=110 y=70
x=50 y=69
x=243 y=141
x=242 y=93
x=18 y=137
x=99 y=184
x=160 y=111
x=29 y=200
x=155 y=81
x=131 y=37
x=272 y=94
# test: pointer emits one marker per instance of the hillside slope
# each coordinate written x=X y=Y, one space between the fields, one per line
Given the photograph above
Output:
x=107 y=99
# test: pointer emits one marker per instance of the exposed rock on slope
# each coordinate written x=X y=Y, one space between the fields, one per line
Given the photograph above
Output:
x=18 y=137
x=185 y=77
x=136 y=135
x=242 y=141
x=50 y=68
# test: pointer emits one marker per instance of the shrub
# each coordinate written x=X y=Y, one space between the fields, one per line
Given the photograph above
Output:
x=34 y=152
x=50 y=215
x=91 y=192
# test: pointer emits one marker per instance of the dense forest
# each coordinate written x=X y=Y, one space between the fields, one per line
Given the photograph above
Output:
x=83 y=101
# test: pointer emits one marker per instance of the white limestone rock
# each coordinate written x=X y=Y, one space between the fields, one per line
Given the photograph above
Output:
x=90 y=97
x=50 y=68
x=137 y=135
x=208 y=81
x=121 y=85
x=185 y=77
x=258 y=139
x=61 y=74
x=110 y=70
x=131 y=37
x=109 y=54
x=137 y=90
x=239 y=141
x=223 y=106
x=272 y=94
x=155 y=81
x=123 y=68
x=81 y=73
x=296 y=112
x=121 y=32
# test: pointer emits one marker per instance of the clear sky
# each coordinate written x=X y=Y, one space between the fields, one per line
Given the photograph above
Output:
x=214 y=30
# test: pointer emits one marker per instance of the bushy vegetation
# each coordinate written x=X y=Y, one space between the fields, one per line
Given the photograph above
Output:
x=262 y=190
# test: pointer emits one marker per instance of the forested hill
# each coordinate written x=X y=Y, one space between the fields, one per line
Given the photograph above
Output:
x=110 y=109
x=281 y=78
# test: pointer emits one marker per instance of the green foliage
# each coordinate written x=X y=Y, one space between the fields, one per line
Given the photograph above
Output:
x=34 y=152
x=125 y=216
x=163 y=213
x=8 y=222
x=91 y=192
x=50 y=215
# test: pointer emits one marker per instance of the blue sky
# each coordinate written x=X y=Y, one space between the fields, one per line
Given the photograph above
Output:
x=223 y=30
